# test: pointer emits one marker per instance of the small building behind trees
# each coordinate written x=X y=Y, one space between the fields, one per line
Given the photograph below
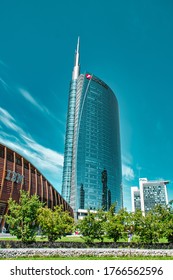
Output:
x=149 y=194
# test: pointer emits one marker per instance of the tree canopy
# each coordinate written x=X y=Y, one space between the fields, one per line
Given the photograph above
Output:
x=22 y=216
x=54 y=224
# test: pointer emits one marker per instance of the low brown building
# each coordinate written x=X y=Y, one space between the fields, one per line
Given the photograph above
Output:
x=17 y=173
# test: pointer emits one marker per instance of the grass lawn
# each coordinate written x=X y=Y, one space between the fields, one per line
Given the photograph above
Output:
x=38 y=238
x=72 y=238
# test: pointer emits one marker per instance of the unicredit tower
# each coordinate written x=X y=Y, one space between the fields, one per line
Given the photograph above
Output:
x=92 y=176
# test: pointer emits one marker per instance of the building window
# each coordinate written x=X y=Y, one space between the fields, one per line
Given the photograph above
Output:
x=1 y=152
x=26 y=165
x=10 y=156
x=32 y=170
x=18 y=161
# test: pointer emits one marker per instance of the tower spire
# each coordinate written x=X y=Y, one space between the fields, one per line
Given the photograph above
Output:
x=76 y=68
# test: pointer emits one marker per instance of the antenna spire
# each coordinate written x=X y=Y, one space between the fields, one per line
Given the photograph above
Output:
x=76 y=68
x=78 y=44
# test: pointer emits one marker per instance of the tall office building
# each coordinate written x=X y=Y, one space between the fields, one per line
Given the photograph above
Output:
x=92 y=144
x=149 y=194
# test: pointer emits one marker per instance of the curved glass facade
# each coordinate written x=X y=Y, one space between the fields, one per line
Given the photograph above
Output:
x=67 y=170
x=96 y=146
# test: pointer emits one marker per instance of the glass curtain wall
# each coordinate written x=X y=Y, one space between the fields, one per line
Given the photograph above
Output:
x=96 y=145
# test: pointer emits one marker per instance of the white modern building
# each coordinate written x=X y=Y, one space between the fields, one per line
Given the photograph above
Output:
x=135 y=198
x=149 y=194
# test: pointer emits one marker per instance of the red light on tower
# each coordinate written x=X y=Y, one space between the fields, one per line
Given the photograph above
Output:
x=88 y=76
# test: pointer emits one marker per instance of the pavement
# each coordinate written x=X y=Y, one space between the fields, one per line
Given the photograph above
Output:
x=6 y=235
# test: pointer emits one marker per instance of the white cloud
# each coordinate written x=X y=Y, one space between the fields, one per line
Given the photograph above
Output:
x=29 y=97
x=37 y=104
x=127 y=159
x=128 y=176
x=127 y=173
x=48 y=161
x=5 y=113
x=4 y=84
x=127 y=170
x=9 y=121
x=46 y=154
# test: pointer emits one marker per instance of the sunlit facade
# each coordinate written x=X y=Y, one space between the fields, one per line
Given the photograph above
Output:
x=68 y=153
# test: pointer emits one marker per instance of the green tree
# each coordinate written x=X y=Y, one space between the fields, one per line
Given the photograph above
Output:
x=117 y=224
x=54 y=223
x=137 y=223
x=91 y=227
x=168 y=222
x=169 y=228
x=22 y=216
x=151 y=227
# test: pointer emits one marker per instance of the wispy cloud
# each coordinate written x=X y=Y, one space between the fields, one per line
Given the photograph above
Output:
x=18 y=89
x=128 y=175
x=48 y=161
x=127 y=159
x=3 y=68
x=4 y=84
x=127 y=172
x=9 y=121
x=46 y=154
x=29 y=98
x=37 y=104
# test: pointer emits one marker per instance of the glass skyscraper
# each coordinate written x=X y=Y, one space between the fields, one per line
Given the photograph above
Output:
x=92 y=177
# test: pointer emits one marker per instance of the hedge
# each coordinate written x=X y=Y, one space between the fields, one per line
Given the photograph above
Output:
x=46 y=244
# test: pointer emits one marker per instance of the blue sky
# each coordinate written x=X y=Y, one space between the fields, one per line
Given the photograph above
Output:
x=126 y=43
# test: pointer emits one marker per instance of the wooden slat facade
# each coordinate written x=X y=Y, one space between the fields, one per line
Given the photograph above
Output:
x=12 y=167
